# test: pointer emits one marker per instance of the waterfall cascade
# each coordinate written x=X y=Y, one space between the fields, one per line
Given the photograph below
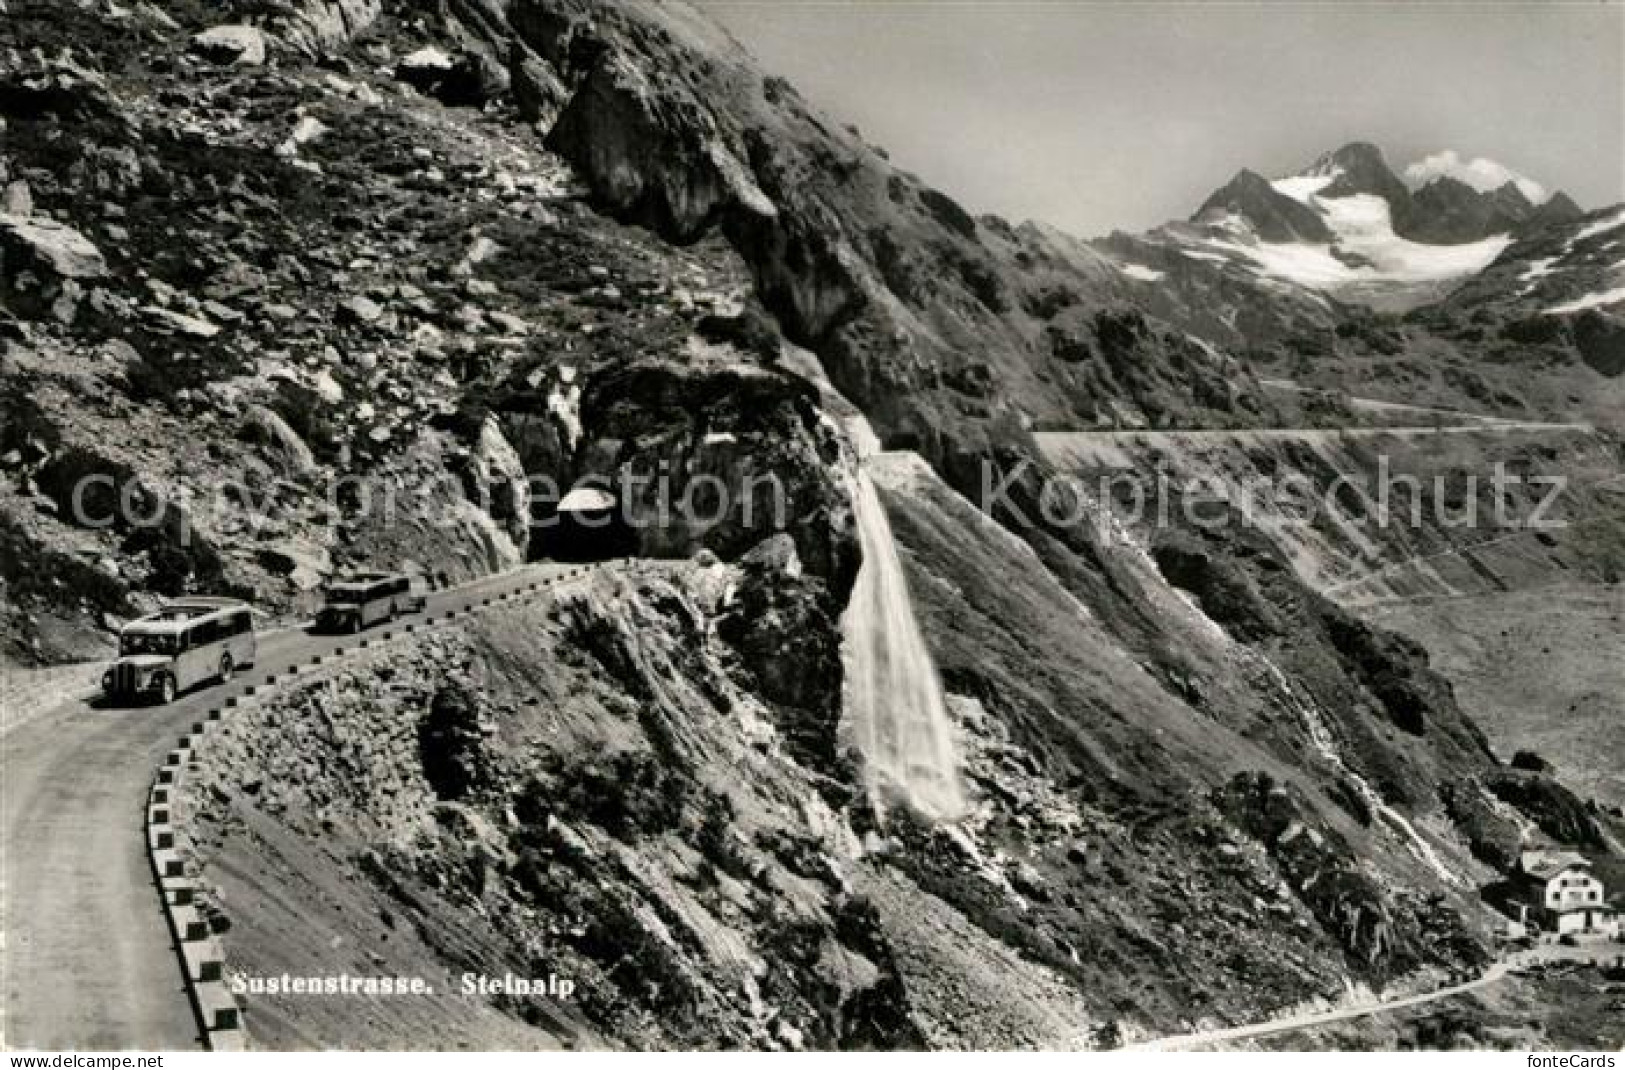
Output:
x=895 y=713
x=895 y=709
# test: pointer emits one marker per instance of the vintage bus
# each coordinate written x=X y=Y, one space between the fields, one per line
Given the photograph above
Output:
x=364 y=599
x=188 y=642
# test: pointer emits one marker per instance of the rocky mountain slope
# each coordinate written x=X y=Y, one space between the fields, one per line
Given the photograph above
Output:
x=1560 y=286
x=475 y=250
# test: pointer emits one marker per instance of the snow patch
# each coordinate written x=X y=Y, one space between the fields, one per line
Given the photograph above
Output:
x=1372 y=251
x=1589 y=301
x=1537 y=270
x=1606 y=223
x=1302 y=188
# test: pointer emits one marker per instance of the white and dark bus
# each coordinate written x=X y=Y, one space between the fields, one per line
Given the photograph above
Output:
x=188 y=642
x=362 y=600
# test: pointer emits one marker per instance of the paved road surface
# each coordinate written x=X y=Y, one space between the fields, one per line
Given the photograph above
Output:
x=1361 y=404
x=1055 y=444
x=85 y=952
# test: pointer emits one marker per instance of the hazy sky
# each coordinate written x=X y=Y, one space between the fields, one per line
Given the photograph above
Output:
x=1095 y=116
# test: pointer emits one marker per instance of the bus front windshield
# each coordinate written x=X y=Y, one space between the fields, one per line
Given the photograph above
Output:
x=139 y=643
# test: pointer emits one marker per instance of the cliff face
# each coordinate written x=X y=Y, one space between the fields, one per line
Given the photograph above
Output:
x=319 y=27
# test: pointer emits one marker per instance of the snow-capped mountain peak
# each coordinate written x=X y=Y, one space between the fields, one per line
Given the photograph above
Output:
x=1358 y=167
x=1348 y=225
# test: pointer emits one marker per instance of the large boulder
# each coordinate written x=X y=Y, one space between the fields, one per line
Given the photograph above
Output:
x=537 y=91
x=785 y=628
x=60 y=87
x=653 y=154
x=305 y=564
x=1551 y=806
x=17 y=200
x=1494 y=836
x=451 y=744
x=281 y=442
x=1221 y=587
x=42 y=243
x=231 y=45
x=360 y=310
x=423 y=68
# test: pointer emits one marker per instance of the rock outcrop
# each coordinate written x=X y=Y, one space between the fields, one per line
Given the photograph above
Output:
x=706 y=452
x=48 y=246
x=468 y=79
x=1360 y=168
x=317 y=27
x=282 y=443
x=498 y=483
x=652 y=154
x=784 y=623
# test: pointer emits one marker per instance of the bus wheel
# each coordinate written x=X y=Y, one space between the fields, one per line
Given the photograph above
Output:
x=226 y=668
x=166 y=690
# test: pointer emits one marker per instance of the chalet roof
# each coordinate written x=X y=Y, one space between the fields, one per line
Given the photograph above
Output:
x=1543 y=865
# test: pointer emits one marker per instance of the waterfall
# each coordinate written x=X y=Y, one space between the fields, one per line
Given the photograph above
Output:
x=895 y=709
x=895 y=714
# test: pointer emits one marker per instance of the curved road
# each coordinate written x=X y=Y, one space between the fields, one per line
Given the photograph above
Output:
x=86 y=959
x=1061 y=446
